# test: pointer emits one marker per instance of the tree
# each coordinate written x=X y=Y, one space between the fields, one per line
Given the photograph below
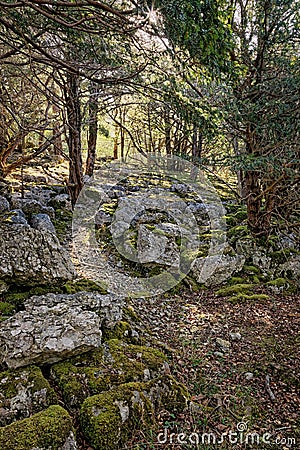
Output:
x=263 y=108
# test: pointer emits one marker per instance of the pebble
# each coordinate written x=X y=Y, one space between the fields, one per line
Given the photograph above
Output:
x=235 y=336
x=249 y=376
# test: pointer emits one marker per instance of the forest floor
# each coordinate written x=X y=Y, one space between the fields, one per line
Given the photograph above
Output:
x=241 y=364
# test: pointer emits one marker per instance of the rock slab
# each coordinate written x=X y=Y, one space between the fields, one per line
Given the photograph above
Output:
x=54 y=327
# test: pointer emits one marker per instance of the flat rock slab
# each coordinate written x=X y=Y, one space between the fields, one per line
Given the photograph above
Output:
x=32 y=257
x=54 y=327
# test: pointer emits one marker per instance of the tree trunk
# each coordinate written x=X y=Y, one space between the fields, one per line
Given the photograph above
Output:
x=74 y=136
x=93 y=129
x=253 y=201
x=167 y=130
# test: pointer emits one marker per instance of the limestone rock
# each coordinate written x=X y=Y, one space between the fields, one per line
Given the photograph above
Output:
x=156 y=246
x=32 y=257
x=54 y=327
x=224 y=266
x=23 y=392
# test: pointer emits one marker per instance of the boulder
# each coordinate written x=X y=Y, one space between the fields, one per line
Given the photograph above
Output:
x=223 y=267
x=27 y=205
x=32 y=257
x=14 y=216
x=158 y=246
x=54 y=327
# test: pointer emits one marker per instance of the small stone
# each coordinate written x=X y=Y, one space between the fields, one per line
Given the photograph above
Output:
x=225 y=345
x=219 y=354
x=249 y=376
x=235 y=336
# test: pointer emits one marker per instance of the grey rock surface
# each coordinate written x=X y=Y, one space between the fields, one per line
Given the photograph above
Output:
x=42 y=222
x=4 y=205
x=32 y=257
x=54 y=327
x=15 y=216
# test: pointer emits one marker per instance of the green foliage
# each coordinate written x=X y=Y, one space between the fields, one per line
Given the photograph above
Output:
x=202 y=28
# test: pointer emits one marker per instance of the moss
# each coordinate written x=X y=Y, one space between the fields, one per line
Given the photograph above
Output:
x=109 y=419
x=17 y=298
x=255 y=279
x=284 y=285
x=238 y=231
x=6 y=309
x=121 y=330
x=278 y=282
x=283 y=255
x=48 y=429
x=131 y=314
x=253 y=297
x=71 y=287
x=110 y=208
x=62 y=222
x=43 y=290
x=235 y=280
x=115 y=363
x=251 y=270
x=203 y=251
x=236 y=289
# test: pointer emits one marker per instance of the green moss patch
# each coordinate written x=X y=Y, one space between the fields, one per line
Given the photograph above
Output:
x=235 y=289
x=48 y=429
x=72 y=287
x=246 y=297
x=6 y=310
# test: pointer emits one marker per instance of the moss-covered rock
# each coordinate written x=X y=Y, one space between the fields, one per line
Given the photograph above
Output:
x=115 y=363
x=108 y=420
x=23 y=392
x=50 y=429
x=281 y=256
